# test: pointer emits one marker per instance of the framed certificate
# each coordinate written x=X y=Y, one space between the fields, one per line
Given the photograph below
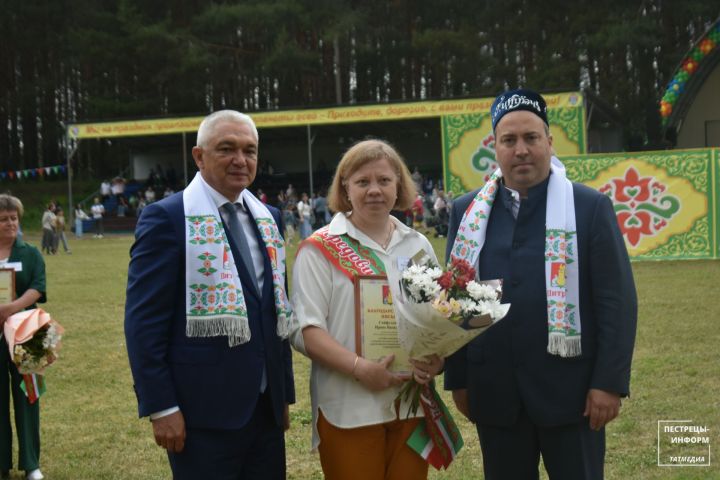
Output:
x=7 y=285
x=375 y=327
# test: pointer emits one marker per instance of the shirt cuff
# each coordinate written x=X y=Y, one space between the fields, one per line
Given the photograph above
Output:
x=164 y=413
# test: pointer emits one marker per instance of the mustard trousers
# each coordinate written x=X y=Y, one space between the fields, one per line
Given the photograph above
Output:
x=374 y=452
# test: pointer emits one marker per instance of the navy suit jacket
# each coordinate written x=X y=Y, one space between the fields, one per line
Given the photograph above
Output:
x=508 y=368
x=215 y=386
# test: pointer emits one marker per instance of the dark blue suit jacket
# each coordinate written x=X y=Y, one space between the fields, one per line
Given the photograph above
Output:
x=214 y=385
x=508 y=368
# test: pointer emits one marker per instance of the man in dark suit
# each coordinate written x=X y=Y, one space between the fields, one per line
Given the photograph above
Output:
x=535 y=385
x=206 y=315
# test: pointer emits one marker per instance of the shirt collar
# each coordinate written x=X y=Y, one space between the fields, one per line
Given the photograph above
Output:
x=532 y=191
x=514 y=195
x=340 y=225
x=218 y=198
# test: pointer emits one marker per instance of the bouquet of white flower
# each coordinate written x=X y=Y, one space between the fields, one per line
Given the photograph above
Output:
x=438 y=312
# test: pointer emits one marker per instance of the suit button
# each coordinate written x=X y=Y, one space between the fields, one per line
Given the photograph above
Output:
x=515 y=283
x=516 y=245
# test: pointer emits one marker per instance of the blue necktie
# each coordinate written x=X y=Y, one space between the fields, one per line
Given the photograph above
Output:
x=239 y=235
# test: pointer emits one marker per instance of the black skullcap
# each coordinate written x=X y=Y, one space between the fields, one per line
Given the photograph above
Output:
x=520 y=99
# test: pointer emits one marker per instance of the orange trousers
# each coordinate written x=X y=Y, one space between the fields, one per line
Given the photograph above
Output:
x=375 y=452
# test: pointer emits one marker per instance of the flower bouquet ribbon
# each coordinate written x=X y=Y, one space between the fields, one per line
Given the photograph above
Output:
x=438 y=312
x=437 y=439
x=33 y=339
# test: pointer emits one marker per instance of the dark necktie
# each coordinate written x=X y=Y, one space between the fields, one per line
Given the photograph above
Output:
x=241 y=240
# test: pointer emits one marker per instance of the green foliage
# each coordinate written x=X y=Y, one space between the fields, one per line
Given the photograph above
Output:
x=34 y=347
x=99 y=60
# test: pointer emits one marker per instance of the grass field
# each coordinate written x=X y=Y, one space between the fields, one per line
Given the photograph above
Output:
x=88 y=416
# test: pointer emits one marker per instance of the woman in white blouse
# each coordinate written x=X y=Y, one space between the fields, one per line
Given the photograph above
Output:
x=356 y=425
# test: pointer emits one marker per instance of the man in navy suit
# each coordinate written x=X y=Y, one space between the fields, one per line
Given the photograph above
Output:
x=530 y=396
x=215 y=386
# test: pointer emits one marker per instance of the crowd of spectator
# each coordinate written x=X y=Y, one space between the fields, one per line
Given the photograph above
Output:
x=121 y=198
x=302 y=213
x=431 y=210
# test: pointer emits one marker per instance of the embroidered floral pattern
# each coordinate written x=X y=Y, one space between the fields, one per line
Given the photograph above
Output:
x=561 y=318
x=463 y=246
x=559 y=245
x=477 y=214
x=560 y=252
x=269 y=232
x=207 y=268
x=642 y=205
x=212 y=299
x=218 y=299
x=205 y=229
x=274 y=242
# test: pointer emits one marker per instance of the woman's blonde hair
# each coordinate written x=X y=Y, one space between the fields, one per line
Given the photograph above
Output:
x=8 y=203
x=356 y=157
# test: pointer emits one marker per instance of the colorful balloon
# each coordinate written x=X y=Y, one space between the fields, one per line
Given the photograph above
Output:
x=690 y=66
x=707 y=46
x=665 y=109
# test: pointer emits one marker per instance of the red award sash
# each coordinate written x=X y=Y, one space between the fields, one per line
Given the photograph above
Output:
x=345 y=253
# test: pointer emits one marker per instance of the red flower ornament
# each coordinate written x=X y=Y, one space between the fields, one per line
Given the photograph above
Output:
x=642 y=205
x=632 y=187
x=634 y=225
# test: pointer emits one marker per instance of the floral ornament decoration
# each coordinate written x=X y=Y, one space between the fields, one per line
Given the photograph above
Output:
x=642 y=205
x=207 y=268
x=204 y=229
x=483 y=160
x=209 y=299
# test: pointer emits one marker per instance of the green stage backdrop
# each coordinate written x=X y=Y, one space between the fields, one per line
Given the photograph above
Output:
x=666 y=202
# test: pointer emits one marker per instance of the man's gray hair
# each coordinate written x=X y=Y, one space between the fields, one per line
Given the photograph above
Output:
x=208 y=123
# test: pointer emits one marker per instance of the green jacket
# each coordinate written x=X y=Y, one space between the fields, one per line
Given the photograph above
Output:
x=32 y=274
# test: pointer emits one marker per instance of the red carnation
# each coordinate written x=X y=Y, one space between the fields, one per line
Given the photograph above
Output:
x=463 y=268
x=446 y=280
x=463 y=280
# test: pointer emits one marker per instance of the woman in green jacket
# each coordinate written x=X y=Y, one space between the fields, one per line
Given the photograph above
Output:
x=29 y=268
